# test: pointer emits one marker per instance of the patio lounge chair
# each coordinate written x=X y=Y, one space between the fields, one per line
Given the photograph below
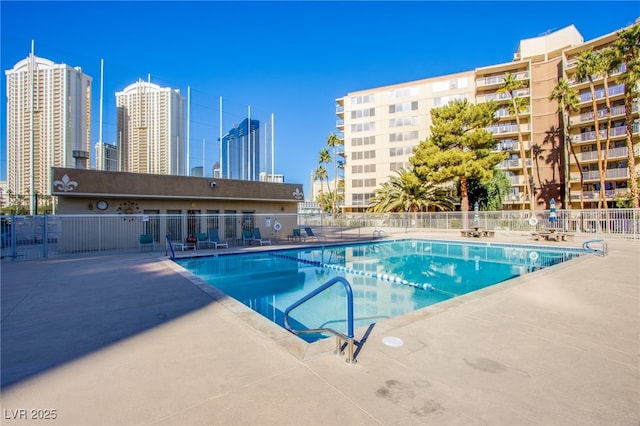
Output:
x=214 y=239
x=297 y=236
x=145 y=240
x=247 y=236
x=310 y=234
x=257 y=237
x=201 y=239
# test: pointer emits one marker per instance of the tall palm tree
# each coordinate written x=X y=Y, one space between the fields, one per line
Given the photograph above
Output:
x=333 y=142
x=587 y=68
x=407 y=193
x=320 y=173
x=605 y=61
x=511 y=85
x=323 y=160
x=567 y=98
x=627 y=51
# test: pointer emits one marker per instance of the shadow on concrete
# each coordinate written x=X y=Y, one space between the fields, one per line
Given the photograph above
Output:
x=55 y=311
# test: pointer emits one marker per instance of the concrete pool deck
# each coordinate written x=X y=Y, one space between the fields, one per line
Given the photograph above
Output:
x=129 y=339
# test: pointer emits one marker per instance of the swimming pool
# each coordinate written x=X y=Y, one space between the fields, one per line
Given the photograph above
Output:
x=388 y=278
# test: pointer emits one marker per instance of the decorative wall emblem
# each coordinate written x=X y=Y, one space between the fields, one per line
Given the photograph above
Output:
x=128 y=208
x=298 y=195
x=65 y=184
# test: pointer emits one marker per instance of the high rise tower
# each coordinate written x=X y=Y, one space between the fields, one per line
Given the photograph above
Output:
x=151 y=129
x=48 y=124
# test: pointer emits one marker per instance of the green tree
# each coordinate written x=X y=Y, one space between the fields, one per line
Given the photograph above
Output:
x=407 y=193
x=460 y=147
x=587 y=68
x=334 y=143
x=512 y=85
x=567 y=98
x=490 y=194
x=627 y=51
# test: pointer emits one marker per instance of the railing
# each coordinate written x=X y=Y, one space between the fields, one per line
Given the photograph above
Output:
x=348 y=338
x=56 y=236
x=613 y=153
x=613 y=91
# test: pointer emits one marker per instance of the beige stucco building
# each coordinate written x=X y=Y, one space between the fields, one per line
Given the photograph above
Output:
x=381 y=126
x=174 y=205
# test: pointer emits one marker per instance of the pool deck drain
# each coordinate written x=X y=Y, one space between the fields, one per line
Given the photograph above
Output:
x=114 y=340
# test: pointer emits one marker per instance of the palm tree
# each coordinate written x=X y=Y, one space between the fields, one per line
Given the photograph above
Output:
x=605 y=61
x=627 y=51
x=333 y=142
x=511 y=85
x=407 y=193
x=323 y=159
x=567 y=98
x=586 y=68
x=320 y=173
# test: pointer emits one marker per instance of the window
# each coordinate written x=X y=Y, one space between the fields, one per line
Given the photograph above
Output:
x=369 y=112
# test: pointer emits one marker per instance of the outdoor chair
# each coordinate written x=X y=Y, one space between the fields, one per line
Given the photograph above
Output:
x=214 y=239
x=201 y=239
x=247 y=236
x=310 y=234
x=146 y=240
x=257 y=237
x=296 y=236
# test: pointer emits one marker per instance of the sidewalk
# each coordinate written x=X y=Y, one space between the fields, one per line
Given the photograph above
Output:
x=127 y=340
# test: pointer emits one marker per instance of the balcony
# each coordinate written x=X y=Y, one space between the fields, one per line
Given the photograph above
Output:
x=616 y=90
x=595 y=195
x=615 y=132
x=502 y=96
x=622 y=68
x=501 y=129
x=616 y=111
x=507 y=145
x=615 y=153
x=516 y=180
x=499 y=79
x=510 y=164
x=594 y=175
x=340 y=124
x=340 y=110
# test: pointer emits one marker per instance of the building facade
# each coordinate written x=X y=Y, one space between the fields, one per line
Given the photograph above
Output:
x=241 y=151
x=106 y=157
x=48 y=124
x=598 y=161
x=381 y=126
x=151 y=136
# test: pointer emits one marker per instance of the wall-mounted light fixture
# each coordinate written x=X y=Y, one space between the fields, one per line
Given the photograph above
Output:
x=212 y=184
x=90 y=206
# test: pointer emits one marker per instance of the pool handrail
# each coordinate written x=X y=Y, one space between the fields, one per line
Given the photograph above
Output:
x=339 y=336
x=173 y=253
x=602 y=252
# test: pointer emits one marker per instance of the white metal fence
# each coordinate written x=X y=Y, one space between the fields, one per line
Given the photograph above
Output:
x=46 y=236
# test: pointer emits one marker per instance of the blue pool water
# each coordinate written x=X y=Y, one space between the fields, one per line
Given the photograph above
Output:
x=389 y=278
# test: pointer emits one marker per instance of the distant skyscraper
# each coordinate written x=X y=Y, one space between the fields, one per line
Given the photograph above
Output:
x=241 y=152
x=48 y=123
x=106 y=157
x=151 y=129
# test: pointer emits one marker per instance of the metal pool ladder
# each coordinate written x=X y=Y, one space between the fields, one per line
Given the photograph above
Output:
x=340 y=338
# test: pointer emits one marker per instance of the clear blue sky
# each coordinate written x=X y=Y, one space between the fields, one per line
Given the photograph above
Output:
x=292 y=59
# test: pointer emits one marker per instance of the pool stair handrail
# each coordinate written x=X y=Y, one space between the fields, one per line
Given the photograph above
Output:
x=348 y=338
x=602 y=251
x=379 y=233
x=170 y=245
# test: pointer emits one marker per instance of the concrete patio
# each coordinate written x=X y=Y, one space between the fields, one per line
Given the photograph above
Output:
x=132 y=339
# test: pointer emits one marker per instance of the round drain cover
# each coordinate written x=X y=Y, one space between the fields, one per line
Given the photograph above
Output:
x=394 y=342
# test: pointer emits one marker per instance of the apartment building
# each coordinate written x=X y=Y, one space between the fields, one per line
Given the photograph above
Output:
x=381 y=126
x=151 y=137
x=611 y=138
x=48 y=124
